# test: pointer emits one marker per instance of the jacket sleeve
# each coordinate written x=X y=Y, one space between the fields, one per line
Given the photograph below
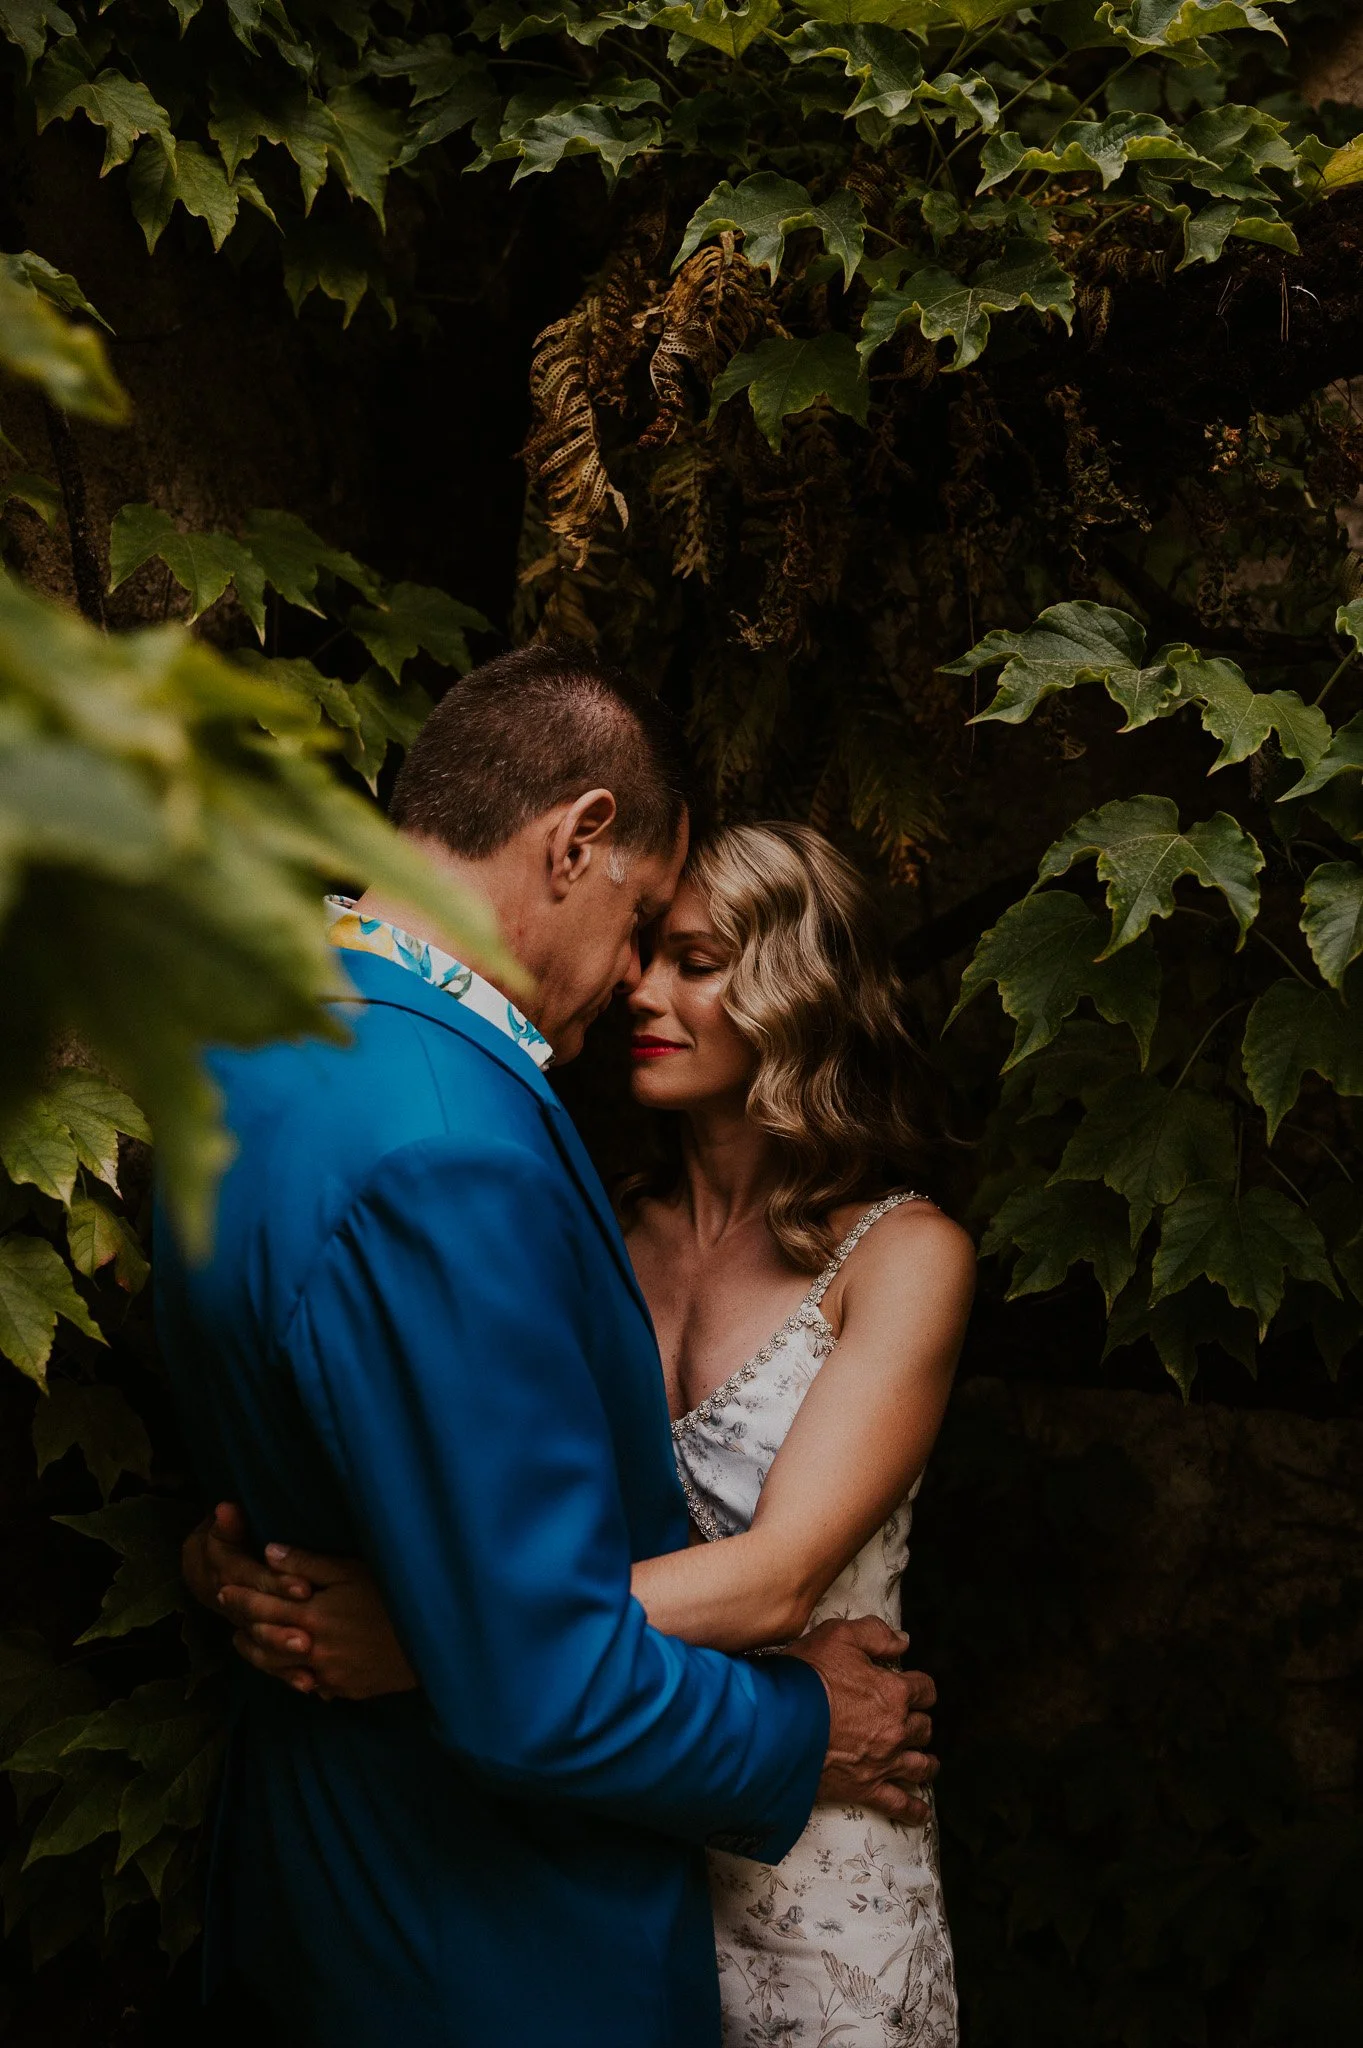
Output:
x=441 y=1347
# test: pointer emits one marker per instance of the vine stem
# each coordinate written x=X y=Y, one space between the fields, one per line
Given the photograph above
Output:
x=1285 y=1177
x=1197 y=1049
x=1286 y=959
x=1315 y=1139
x=1330 y=681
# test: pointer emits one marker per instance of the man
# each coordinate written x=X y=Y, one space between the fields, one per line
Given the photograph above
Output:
x=419 y=1339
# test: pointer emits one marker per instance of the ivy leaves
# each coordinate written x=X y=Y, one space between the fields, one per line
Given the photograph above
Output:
x=950 y=308
x=1211 y=1235
x=1044 y=956
x=765 y=209
x=783 y=377
x=140 y=814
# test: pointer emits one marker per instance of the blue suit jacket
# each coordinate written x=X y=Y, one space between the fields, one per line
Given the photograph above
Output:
x=419 y=1339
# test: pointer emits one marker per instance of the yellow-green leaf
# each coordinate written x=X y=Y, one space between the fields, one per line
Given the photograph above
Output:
x=98 y=1421
x=35 y=1288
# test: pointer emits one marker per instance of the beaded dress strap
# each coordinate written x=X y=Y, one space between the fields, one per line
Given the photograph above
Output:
x=808 y=1316
x=853 y=1239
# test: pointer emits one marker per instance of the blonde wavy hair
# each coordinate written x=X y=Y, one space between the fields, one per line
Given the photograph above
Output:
x=812 y=988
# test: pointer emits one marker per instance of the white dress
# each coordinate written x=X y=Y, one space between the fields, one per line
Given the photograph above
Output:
x=843 y=1944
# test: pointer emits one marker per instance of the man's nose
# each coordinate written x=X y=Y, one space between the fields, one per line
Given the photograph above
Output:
x=633 y=974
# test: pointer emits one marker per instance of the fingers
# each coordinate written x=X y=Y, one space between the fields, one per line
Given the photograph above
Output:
x=271 y=1664
x=900 y=1805
x=244 y=1608
x=229 y=1566
x=229 y=1523
x=920 y=1692
x=314 y=1565
x=288 y=1646
x=915 y=1770
x=918 y=1731
x=876 y=1638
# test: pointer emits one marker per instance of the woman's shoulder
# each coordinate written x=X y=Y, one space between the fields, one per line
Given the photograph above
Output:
x=912 y=1245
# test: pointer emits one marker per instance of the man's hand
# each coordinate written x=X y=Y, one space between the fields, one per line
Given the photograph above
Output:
x=317 y=1623
x=878 y=1723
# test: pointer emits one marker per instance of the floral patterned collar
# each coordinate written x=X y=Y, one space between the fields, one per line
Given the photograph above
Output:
x=358 y=934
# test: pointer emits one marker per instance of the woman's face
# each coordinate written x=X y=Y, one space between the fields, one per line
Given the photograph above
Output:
x=685 y=1047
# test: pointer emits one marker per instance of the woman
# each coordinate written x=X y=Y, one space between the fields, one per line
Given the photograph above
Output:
x=765 y=1027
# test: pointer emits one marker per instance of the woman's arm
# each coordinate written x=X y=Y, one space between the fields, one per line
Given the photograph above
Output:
x=861 y=1438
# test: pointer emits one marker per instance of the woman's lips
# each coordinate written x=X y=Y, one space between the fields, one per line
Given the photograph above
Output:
x=652 y=1048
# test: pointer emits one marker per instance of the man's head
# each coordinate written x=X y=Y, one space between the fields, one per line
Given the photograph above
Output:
x=559 y=787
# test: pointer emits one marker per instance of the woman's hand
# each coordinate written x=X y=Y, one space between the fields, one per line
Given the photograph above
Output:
x=317 y=1623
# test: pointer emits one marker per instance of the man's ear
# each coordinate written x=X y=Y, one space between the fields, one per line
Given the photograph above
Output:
x=576 y=836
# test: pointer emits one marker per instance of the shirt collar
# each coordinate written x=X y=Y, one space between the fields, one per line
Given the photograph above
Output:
x=356 y=934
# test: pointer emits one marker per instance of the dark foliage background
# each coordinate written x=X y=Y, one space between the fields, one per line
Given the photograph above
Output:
x=1150 y=1680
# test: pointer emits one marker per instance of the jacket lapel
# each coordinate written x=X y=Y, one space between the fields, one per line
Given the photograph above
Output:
x=382 y=981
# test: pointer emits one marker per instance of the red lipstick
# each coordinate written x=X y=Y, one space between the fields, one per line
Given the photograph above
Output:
x=652 y=1048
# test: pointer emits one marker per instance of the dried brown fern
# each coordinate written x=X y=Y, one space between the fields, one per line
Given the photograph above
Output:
x=715 y=305
x=579 y=369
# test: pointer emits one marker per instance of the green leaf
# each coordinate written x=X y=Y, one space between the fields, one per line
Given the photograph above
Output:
x=1303 y=729
x=1096 y=148
x=1147 y=1142
x=387 y=717
x=59 y=287
x=1231 y=712
x=35 y=1691
x=37 y=1148
x=67 y=361
x=886 y=64
x=337 y=259
x=147 y=1533
x=1054 y=1227
x=730 y=30
x=1245 y=1242
x=26 y=23
x=1344 y=166
x=158 y=178
x=585 y=130
x=1072 y=644
x=417 y=617
x=1343 y=756
x=97 y=1236
x=765 y=209
x=363 y=140
x=37 y=493
x=85 y=1808
x=36 y=1288
x=1293 y=1028
x=123 y=107
x=1043 y=955
x=1176 y=26
x=201 y=563
x=1333 y=917
x=1181 y=1327
x=96 y=1114
x=970 y=101
x=1142 y=852
x=783 y=377
x=291 y=119
x=307 y=684
x=948 y=308
x=110 y=1435
x=291 y=557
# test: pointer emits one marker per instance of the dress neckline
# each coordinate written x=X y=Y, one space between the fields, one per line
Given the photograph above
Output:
x=808 y=1314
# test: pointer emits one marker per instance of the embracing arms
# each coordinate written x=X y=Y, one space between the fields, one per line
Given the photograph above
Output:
x=860 y=1440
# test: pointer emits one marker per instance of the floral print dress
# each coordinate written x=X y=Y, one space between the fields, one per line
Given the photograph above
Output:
x=845 y=1941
